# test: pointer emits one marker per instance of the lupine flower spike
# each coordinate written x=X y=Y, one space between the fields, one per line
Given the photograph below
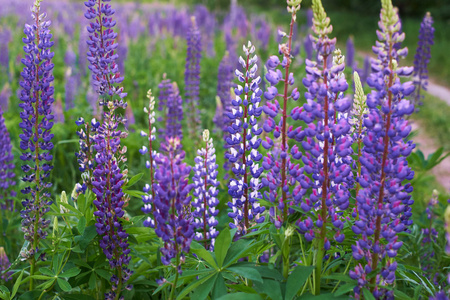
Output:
x=422 y=58
x=326 y=141
x=108 y=179
x=6 y=167
x=358 y=112
x=192 y=77
x=244 y=143
x=384 y=203
x=37 y=120
x=173 y=225
x=282 y=171
x=149 y=190
x=205 y=193
x=4 y=265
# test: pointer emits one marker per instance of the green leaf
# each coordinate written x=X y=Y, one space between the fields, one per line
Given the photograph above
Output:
x=46 y=271
x=222 y=245
x=240 y=249
x=275 y=236
x=247 y=272
x=203 y=290
x=103 y=273
x=81 y=225
x=4 y=293
x=64 y=285
x=133 y=180
x=367 y=294
x=201 y=252
x=193 y=285
x=89 y=234
x=271 y=288
x=400 y=295
x=241 y=296
x=17 y=284
x=70 y=273
x=78 y=297
x=344 y=289
x=340 y=277
x=296 y=280
x=220 y=288
x=92 y=281
x=71 y=208
x=42 y=277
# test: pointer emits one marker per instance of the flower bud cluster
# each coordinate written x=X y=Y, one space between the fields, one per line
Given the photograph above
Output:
x=36 y=98
x=384 y=201
x=205 y=193
x=244 y=143
x=6 y=167
x=173 y=225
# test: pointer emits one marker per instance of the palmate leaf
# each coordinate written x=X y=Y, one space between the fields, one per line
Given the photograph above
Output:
x=64 y=285
x=194 y=284
x=271 y=288
x=240 y=249
x=222 y=245
x=296 y=280
x=241 y=296
x=204 y=254
x=247 y=272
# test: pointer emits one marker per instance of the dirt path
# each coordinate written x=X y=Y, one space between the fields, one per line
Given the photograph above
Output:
x=428 y=145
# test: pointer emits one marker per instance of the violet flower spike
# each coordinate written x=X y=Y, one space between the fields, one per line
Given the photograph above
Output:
x=36 y=98
x=205 y=193
x=244 y=143
x=384 y=200
x=192 y=77
x=6 y=168
x=173 y=224
x=422 y=58
x=149 y=190
x=4 y=265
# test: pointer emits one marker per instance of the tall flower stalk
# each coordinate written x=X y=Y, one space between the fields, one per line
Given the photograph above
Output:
x=6 y=168
x=192 y=77
x=149 y=197
x=384 y=203
x=36 y=101
x=327 y=143
x=205 y=193
x=282 y=170
x=173 y=225
x=107 y=177
x=244 y=143
x=422 y=58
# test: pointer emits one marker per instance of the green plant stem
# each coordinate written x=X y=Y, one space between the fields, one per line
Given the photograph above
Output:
x=174 y=286
x=318 y=270
x=345 y=272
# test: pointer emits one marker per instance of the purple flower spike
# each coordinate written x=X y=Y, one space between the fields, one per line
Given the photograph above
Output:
x=422 y=58
x=4 y=265
x=205 y=193
x=384 y=201
x=36 y=98
x=149 y=190
x=192 y=76
x=6 y=167
x=243 y=141
x=174 y=224
x=101 y=56
x=101 y=154
x=171 y=103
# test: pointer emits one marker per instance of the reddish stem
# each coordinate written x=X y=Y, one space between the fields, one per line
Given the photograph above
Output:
x=383 y=173
x=283 y=128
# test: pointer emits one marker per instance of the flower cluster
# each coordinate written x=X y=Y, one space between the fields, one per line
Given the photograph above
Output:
x=149 y=190
x=244 y=143
x=422 y=58
x=205 y=192
x=192 y=76
x=384 y=203
x=171 y=103
x=281 y=169
x=326 y=138
x=107 y=153
x=4 y=265
x=6 y=167
x=173 y=225
x=36 y=98
x=224 y=85
x=101 y=56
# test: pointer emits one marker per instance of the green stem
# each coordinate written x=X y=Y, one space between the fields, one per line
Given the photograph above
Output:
x=286 y=252
x=318 y=270
x=174 y=286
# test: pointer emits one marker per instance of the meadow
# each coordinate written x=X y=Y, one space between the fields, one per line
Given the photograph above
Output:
x=172 y=151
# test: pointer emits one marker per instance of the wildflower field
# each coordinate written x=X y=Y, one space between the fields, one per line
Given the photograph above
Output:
x=179 y=151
